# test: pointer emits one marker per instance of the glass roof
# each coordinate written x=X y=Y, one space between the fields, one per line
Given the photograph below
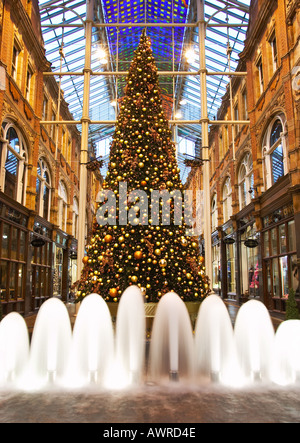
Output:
x=112 y=51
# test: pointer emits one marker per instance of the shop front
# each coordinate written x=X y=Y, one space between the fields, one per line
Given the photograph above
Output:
x=216 y=263
x=249 y=281
x=61 y=263
x=228 y=262
x=14 y=236
x=279 y=257
x=41 y=252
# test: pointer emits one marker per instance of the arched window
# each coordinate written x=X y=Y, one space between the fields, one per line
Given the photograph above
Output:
x=227 y=200
x=62 y=206
x=214 y=213
x=275 y=152
x=75 y=217
x=43 y=190
x=14 y=162
x=246 y=181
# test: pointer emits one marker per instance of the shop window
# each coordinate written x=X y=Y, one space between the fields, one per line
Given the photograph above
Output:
x=275 y=152
x=12 y=262
x=41 y=265
x=62 y=206
x=227 y=200
x=246 y=181
x=249 y=265
x=280 y=260
x=13 y=176
x=43 y=190
x=216 y=280
x=230 y=260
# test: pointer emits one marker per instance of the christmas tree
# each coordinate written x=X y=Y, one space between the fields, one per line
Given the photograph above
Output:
x=139 y=235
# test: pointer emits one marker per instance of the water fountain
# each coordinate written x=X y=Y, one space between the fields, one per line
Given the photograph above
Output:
x=215 y=355
x=130 y=336
x=286 y=354
x=254 y=339
x=99 y=354
x=14 y=349
x=50 y=346
x=172 y=346
x=92 y=346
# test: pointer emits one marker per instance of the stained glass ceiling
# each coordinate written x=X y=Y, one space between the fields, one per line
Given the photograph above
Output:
x=112 y=51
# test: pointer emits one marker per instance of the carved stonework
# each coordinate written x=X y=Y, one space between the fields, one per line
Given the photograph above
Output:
x=276 y=105
x=291 y=7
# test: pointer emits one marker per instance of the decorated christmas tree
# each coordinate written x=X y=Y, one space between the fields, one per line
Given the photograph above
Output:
x=140 y=232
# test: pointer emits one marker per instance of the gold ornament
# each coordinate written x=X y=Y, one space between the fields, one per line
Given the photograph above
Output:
x=108 y=238
x=157 y=252
x=138 y=255
x=134 y=279
x=85 y=260
x=162 y=263
x=184 y=241
x=113 y=292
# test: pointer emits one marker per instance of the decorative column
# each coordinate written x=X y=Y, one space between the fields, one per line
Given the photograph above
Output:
x=205 y=140
x=84 y=136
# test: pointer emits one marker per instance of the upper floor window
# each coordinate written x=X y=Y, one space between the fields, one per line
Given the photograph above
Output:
x=62 y=206
x=214 y=213
x=246 y=181
x=260 y=70
x=75 y=217
x=245 y=105
x=227 y=200
x=275 y=152
x=45 y=108
x=14 y=163
x=43 y=190
x=14 y=62
x=273 y=43
x=28 y=84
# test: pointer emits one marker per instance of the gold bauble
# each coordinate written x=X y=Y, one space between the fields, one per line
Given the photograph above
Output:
x=162 y=263
x=138 y=255
x=134 y=279
x=141 y=165
x=108 y=238
x=201 y=259
x=184 y=241
x=157 y=252
x=121 y=239
x=113 y=292
x=85 y=260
